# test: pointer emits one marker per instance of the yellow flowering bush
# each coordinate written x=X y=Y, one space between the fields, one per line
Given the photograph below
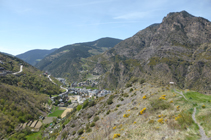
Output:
x=159 y=116
x=177 y=117
x=116 y=136
x=134 y=122
x=126 y=115
x=171 y=102
x=144 y=97
x=203 y=106
x=142 y=111
x=160 y=120
x=163 y=97
x=114 y=127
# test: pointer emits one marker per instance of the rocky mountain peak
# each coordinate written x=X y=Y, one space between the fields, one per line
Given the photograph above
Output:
x=177 y=16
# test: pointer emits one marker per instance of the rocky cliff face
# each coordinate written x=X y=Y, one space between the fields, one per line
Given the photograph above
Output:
x=175 y=50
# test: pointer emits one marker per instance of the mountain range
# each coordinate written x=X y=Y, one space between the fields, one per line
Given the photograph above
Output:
x=34 y=56
x=178 y=50
x=137 y=69
x=66 y=61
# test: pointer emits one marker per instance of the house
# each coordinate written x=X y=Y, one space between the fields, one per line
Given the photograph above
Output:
x=61 y=104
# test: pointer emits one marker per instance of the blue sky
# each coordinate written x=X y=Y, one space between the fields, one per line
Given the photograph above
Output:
x=47 y=24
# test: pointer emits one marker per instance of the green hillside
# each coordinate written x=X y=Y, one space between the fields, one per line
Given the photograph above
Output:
x=67 y=61
x=22 y=96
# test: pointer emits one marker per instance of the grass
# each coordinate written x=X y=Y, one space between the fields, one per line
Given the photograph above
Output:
x=198 y=97
x=33 y=136
x=56 y=112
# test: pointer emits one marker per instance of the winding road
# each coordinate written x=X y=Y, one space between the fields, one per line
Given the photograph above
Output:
x=55 y=84
x=21 y=69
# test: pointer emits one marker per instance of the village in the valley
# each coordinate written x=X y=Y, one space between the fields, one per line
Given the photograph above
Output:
x=76 y=94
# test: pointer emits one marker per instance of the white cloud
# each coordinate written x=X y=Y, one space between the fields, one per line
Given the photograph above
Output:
x=134 y=15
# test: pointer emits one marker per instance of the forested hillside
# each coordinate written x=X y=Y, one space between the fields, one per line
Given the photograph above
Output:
x=67 y=61
x=22 y=95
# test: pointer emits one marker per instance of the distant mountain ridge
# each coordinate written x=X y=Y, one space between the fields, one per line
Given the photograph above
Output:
x=178 y=50
x=34 y=56
x=66 y=61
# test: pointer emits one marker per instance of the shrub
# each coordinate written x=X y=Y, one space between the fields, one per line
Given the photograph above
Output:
x=114 y=127
x=79 y=107
x=133 y=80
x=131 y=89
x=73 y=125
x=91 y=103
x=85 y=104
x=80 y=132
x=128 y=85
x=89 y=116
x=116 y=136
x=64 y=134
x=108 y=112
x=158 y=104
x=185 y=119
x=118 y=105
x=96 y=118
x=92 y=124
x=142 y=111
x=125 y=95
x=73 y=133
x=142 y=81
x=109 y=101
x=151 y=121
x=88 y=130
x=126 y=115
x=203 y=106
x=144 y=97
x=160 y=120
x=121 y=99
x=163 y=97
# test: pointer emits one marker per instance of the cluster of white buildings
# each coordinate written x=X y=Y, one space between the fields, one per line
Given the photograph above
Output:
x=83 y=94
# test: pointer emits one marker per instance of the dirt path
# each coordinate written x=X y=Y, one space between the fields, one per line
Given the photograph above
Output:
x=181 y=94
x=201 y=130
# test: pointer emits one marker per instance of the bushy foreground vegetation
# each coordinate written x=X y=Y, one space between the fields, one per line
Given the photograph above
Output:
x=18 y=105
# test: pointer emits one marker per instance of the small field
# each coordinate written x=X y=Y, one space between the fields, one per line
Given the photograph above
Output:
x=197 y=97
x=33 y=136
x=56 y=112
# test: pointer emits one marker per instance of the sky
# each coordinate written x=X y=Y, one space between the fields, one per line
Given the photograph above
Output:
x=47 y=24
